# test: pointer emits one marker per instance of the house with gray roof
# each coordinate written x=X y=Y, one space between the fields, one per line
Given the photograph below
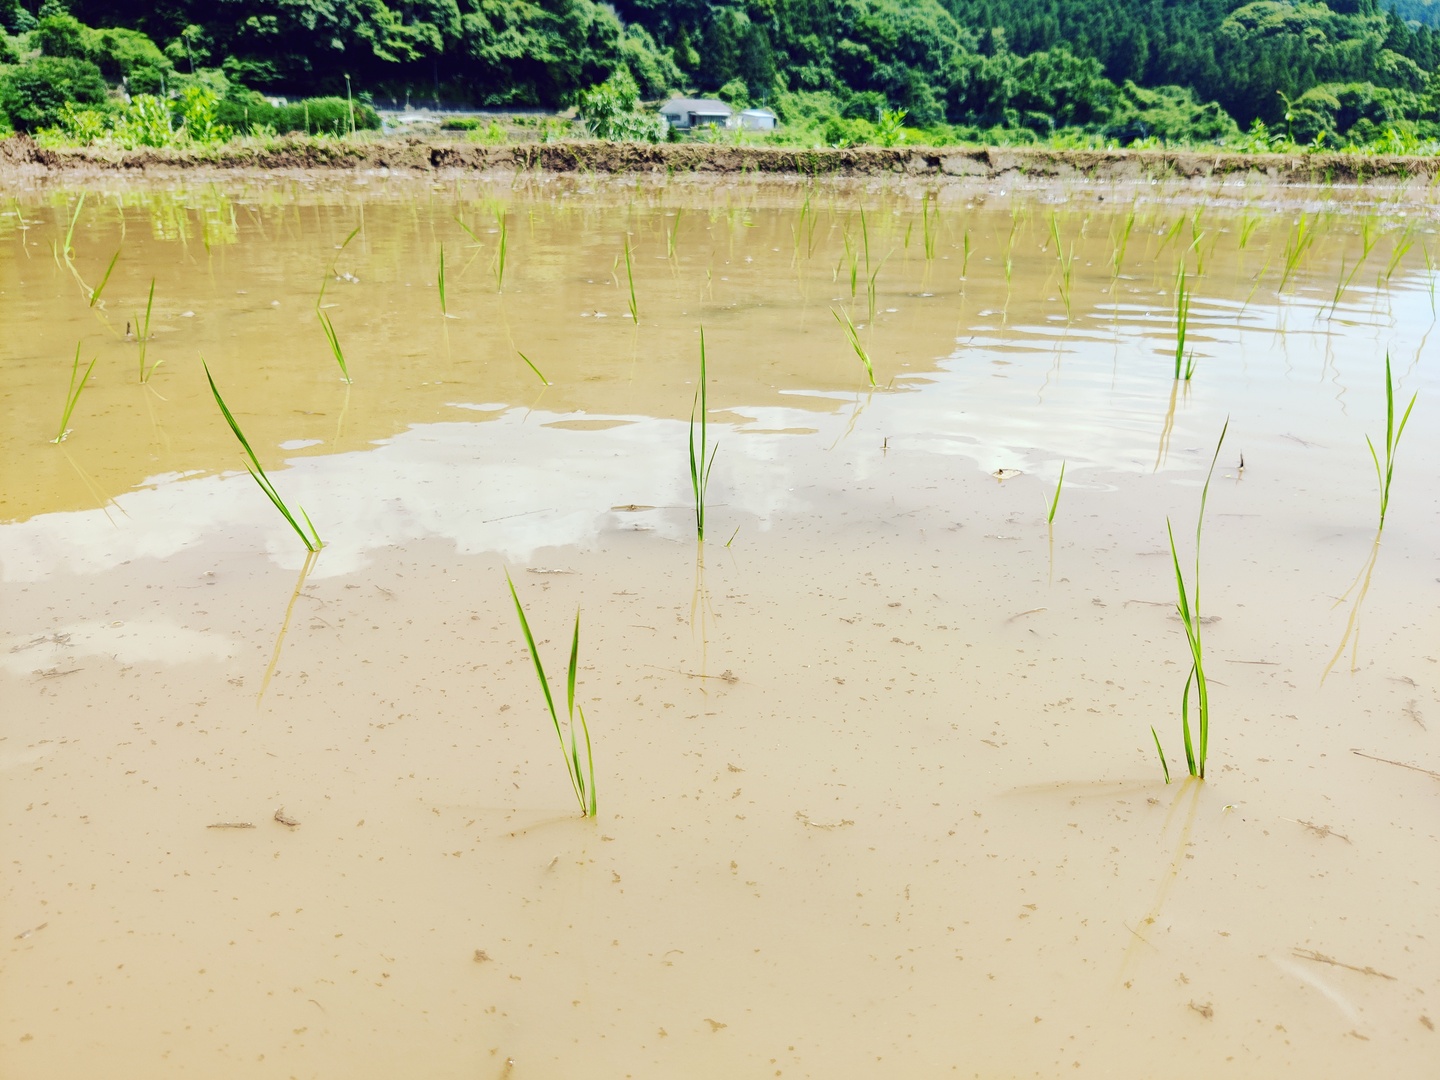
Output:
x=687 y=113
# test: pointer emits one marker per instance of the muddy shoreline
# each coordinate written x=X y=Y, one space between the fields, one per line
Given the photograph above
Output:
x=22 y=154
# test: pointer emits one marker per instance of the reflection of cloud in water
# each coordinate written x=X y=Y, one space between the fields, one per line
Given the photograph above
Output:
x=126 y=642
x=512 y=486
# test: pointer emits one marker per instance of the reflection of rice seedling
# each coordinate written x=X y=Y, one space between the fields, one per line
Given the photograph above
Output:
x=257 y=471
x=675 y=229
x=95 y=292
x=581 y=781
x=1055 y=502
x=1392 y=441
x=440 y=283
x=72 y=395
x=1301 y=237
x=329 y=328
x=142 y=335
x=500 y=251
x=699 y=466
x=1196 y=749
x=1182 y=325
x=630 y=277
x=533 y=368
x=854 y=339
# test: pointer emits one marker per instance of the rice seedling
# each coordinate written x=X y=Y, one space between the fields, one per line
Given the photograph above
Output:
x=1120 y=243
x=1392 y=441
x=1429 y=274
x=1197 y=746
x=854 y=339
x=1369 y=237
x=1067 y=263
x=440 y=283
x=870 y=285
x=1302 y=236
x=1055 y=501
x=95 y=292
x=69 y=249
x=675 y=230
x=1247 y=228
x=72 y=394
x=930 y=224
x=142 y=336
x=533 y=368
x=1182 y=326
x=966 y=249
x=865 y=239
x=500 y=222
x=329 y=328
x=1402 y=248
x=630 y=277
x=582 y=781
x=325 y=281
x=853 y=259
x=257 y=472
x=700 y=465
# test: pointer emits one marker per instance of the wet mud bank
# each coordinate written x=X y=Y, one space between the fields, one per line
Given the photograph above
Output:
x=953 y=163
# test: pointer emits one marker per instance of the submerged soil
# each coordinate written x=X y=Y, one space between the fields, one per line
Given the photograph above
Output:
x=422 y=154
x=879 y=792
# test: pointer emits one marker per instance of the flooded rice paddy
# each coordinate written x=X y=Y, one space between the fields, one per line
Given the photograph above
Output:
x=877 y=787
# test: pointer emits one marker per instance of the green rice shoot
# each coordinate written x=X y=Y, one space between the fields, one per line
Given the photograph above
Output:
x=440 y=283
x=142 y=336
x=72 y=394
x=630 y=278
x=1055 y=501
x=1182 y=326
x=500 y=222
x=1392 y=441
x=538 y=373
x=95 y=292
x=582 y=781
x=1197 y=747
x=311 y=539
x=854 y=338
x=335 y=350
x=700 y=466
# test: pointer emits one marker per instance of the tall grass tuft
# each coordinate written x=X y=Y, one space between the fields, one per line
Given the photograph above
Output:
x=72 y=394
x=582 y=781
x=700 y=466
x=1198 y=747
x=1392 y=441
x=329 y=328
x=854 y=339
x=257 y=471
x=142 y=335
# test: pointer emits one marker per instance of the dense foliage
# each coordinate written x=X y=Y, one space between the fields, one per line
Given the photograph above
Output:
x=1298 y=71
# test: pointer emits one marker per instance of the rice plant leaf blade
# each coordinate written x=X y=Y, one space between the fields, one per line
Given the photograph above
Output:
x=95 y=292
x=1165 y=765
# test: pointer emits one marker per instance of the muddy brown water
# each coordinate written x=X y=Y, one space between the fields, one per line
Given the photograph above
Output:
x=878 y=793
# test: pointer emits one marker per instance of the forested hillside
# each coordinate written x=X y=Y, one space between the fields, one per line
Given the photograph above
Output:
x=838 y=69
